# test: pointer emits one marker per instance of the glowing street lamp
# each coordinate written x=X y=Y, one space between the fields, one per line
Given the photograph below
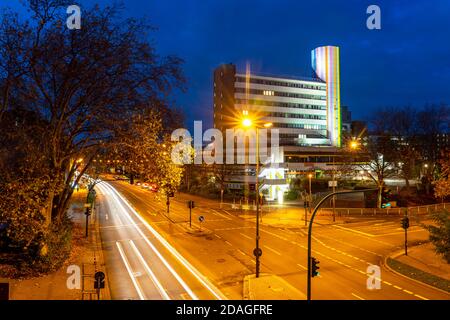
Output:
x=247 y=123
x=354 y=144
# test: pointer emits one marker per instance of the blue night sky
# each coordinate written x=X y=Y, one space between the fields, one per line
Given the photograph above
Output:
x=406 y=62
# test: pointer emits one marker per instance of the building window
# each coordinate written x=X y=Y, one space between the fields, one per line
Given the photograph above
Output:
x=268 y=93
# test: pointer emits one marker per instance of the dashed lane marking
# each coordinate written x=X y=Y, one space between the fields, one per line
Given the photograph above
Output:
x=356 y=296
x=274 y=234
x=273 y=250
x=246 y=236
x=304 y=268
x=241 y=252
x=407 y=291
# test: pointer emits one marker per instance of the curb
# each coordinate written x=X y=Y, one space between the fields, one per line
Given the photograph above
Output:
x=98 y=237
x=397 y=254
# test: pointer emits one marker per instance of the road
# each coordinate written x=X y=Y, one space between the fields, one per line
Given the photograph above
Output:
x=140 y=263
x=224 y=254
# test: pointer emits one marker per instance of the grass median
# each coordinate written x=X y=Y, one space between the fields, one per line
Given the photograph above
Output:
x=419 y=275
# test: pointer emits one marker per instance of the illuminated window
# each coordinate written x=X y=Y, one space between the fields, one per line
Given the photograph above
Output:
x=268 y=93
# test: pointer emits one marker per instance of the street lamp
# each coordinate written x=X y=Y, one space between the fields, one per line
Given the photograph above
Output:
x=354 y=144
x=310 y=191
x=247 y=123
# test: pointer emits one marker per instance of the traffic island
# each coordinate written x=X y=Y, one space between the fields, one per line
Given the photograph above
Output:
x=270 y=287
x=195 y=230
x=423 y=265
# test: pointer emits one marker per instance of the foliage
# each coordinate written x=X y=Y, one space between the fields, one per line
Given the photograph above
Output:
x=70 y=94
x=442 y=185
x=440 y=233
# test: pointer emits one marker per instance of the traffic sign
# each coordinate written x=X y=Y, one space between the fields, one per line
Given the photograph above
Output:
x=257 y=252
x=99 y=280
x=332 y=183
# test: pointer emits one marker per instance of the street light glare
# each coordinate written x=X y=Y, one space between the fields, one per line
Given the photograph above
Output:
x=353 y=144
x=268 y=124
x=247 y=122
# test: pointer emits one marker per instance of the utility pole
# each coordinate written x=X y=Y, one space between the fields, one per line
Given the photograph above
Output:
x=87 y=213
x=257 y=249
x=405 y=226
x=334 y=190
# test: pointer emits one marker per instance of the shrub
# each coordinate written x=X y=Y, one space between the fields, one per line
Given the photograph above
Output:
x=440 y=233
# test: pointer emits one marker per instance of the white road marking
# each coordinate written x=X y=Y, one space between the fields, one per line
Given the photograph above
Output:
x=274 y=234
x=130 y=272
x=356 y=296
x=219 y=214
x=246 y=236
x=273 y=250
x=407 y=291
x=304 y=268
x=115 y=194
x=420 y=297
x=154 y=279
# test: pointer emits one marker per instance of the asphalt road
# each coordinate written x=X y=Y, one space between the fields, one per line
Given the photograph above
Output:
x=140 y=263
x=224 y=256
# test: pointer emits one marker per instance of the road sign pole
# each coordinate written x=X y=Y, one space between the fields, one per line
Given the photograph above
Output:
x=306 y=212
x=406 y=241
x=168 y=206
x=87 y=221
x=190 y=216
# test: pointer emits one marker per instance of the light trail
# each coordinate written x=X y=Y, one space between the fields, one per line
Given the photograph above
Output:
x=155 y=280
x=116 y=196
x=206 y=283
x=128 y=267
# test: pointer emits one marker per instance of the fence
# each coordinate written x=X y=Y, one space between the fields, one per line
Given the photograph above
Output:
x=354 y=211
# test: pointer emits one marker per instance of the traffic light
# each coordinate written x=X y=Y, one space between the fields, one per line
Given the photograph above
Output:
x=385 y=197
x=314 y=267
x=405 y=223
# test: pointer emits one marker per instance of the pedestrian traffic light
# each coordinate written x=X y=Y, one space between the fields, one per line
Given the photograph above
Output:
x=385 y=197
x=405 y=223
x=314 y=267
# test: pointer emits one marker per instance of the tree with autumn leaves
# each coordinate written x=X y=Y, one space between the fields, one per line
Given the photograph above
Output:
x=67 y=95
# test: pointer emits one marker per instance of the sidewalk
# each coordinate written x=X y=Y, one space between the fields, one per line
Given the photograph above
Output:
x=421 y=264
x=424 y=258
x=84 y=251
x=270 y=287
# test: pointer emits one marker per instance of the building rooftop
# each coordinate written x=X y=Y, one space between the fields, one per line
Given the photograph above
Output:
x=282 y=77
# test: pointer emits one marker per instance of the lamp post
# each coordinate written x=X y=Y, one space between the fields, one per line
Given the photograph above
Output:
x=257 y=251
x=309 y=264
x=310 y=192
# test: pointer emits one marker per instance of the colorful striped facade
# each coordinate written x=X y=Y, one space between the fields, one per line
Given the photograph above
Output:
x=325 y=63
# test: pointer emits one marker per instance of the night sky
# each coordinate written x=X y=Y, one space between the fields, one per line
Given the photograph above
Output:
x=407 y=62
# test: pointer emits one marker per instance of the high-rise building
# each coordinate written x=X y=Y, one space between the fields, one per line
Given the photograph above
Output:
x=325 y=63
x=296 y=106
